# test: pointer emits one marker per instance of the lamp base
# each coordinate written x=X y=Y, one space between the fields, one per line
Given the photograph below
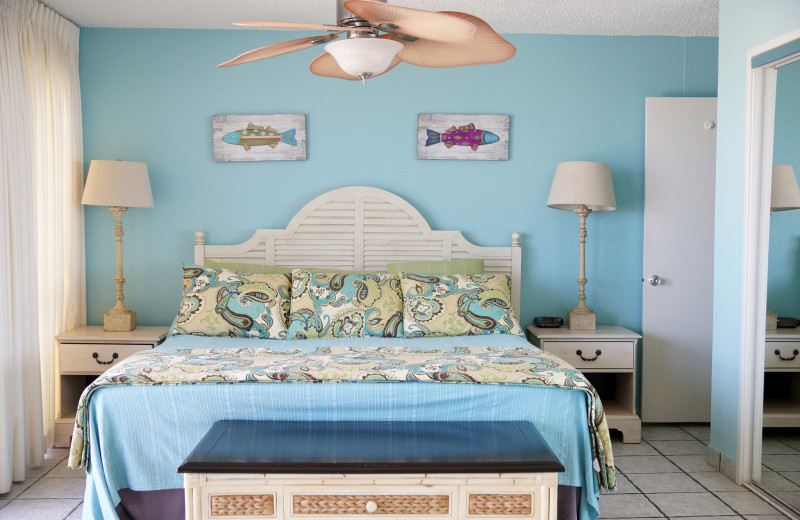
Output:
x=119 y=321
x=580 y=319
x=772 y=320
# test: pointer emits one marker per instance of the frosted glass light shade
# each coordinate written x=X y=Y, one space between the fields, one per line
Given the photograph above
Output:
x=785 y=193
x=364 y=57
x=118 y=183
x=582 y=182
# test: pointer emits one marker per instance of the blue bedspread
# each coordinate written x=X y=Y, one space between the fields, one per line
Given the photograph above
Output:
x=139 y=435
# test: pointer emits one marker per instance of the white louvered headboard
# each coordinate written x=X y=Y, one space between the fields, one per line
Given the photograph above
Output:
x=361 y=228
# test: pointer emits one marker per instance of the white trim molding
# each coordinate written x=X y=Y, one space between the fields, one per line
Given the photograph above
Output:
x=760 y=120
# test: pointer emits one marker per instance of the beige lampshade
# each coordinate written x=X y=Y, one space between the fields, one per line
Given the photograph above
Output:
x=582 y=182
x=118 y=183
x=785 y=193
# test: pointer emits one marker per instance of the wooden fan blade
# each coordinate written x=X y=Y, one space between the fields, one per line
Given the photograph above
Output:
x=438 y=27
x=299 y=25
x=488 y=47
x=276 y=49
x=325 y=65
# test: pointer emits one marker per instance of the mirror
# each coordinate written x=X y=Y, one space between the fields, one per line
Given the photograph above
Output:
x=780 y=439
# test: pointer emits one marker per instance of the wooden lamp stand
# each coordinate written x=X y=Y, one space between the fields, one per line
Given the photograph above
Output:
x=119 y=318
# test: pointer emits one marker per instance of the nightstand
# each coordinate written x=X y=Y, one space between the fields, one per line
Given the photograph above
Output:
x=607 y=356
x=782 y=378
x=83 y=354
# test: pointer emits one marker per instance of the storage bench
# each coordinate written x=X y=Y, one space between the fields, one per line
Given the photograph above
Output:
x=354 y=469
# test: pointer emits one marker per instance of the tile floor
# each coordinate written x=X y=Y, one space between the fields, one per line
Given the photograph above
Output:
x=665 y=476
x=780 y=463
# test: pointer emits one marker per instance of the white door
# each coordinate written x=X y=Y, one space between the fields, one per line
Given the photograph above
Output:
x=680 y=158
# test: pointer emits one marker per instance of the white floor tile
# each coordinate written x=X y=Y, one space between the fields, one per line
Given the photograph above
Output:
x=715 y=481
x=38 y=509
x=645 y=464
x=627 y=506
x=56 y=488
x=619 y=449
x=691 y=447
x=746 y=503
x=776 y=447
x=701 y=433
x=691 y=463
x=776 y=482
x=665 y=483
x=690 y=504
x=3 y=503
x=63 y=471
x=77 y=514
x=651 y=432
x=781 y=462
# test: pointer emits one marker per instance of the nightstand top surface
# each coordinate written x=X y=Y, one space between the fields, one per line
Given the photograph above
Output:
x=95 y=333
x=601 y=332
x=784 y=333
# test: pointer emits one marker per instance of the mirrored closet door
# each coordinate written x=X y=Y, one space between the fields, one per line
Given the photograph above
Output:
x=780 y=435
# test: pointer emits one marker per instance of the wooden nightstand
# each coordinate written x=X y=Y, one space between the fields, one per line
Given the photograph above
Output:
x=782 y=378
x=607 y=356
x=83 y=354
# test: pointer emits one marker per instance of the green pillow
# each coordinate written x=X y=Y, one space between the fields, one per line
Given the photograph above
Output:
x=241 y=267
x=460 y=266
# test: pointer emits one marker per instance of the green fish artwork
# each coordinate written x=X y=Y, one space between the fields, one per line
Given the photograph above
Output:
x=255 y=135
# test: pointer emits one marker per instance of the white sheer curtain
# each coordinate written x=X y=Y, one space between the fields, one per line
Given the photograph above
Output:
x=41 y=222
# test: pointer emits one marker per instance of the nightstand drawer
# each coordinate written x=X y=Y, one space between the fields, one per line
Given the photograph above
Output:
x=94 y=358
x=782 y=355
x=593 y=354
x=412 y=501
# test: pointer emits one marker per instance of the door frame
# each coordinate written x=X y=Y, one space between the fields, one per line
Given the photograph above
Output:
x=762 y=75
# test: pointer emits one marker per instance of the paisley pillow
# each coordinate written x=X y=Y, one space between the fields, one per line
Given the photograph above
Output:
x=457 y=305
x=221 y=302
x=330 y=305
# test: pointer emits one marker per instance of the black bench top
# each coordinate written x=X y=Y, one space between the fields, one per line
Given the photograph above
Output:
x=371 y=447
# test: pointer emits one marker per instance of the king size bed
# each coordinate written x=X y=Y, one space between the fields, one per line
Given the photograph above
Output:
x=138 y=422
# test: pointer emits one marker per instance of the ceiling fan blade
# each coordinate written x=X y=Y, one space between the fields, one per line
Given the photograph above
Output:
x=325 y=65
x=299 y=25
x=276 y=49
x=488 y=47
x=432 y=26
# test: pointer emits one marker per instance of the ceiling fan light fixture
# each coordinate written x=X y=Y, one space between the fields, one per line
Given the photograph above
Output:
x=364 y=57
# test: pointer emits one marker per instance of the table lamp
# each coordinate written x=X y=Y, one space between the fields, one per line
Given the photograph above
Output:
x=119 y=185
x=582 y=187
x=785 y=196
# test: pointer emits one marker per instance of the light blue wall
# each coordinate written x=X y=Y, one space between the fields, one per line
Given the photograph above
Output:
x=743 y=24
x=149 y=95
x=783 y=291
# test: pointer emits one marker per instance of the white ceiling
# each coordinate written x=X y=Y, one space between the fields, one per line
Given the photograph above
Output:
x=606 y=17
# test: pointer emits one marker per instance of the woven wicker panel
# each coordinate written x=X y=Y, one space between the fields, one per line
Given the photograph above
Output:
x=517 y=505
x=357 y=504
x=242 y=505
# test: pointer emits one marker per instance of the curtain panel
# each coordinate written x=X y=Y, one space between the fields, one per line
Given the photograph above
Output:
x=41 y=222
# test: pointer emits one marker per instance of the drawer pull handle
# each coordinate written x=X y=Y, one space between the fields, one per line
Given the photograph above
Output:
x=597 y=353
x=371 y=507
x=96 y=357
x=778 y=353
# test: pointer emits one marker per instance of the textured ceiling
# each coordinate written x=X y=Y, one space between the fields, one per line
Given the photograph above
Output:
x=607 y=17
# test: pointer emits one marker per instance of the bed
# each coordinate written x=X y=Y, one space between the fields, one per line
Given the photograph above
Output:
x=138 y=422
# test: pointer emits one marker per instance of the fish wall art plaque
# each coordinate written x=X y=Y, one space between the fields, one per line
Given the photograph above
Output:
x=474 y=137
x=265 y=137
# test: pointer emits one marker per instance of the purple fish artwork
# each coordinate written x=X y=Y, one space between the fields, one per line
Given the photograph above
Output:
x=466 y=135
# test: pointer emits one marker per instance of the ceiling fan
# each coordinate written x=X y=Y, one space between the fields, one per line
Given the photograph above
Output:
x=423 y=38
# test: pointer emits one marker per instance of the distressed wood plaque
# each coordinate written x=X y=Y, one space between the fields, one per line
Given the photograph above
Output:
x=472 y=137
x=264 y=137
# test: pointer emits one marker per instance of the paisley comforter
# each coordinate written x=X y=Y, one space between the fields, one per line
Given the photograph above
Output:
x=350 y=361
